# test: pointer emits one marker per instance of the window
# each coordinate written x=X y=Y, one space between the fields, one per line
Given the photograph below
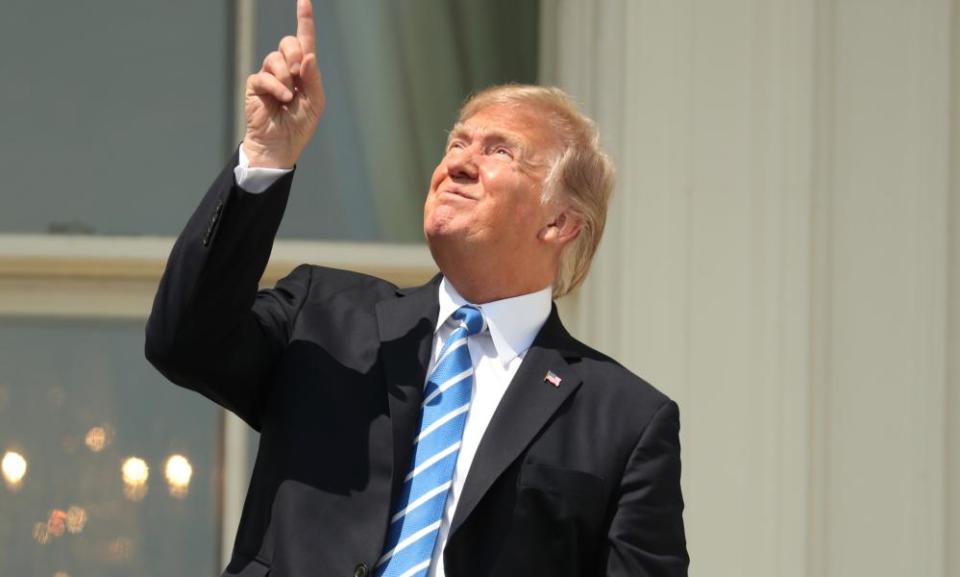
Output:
x=115 y=114
x=107 y=469
x=117 y=121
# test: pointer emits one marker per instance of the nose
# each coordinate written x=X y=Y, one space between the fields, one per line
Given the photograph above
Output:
x=460 y=163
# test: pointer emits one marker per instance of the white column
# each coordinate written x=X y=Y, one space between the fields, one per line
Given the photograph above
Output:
x=776 y=260
x=952 y=406
x=880 y=339
x=235 y=432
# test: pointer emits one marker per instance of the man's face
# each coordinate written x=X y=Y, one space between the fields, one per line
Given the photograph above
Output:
x=486 y=190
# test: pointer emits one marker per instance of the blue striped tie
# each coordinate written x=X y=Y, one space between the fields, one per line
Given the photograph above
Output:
x=417 y=512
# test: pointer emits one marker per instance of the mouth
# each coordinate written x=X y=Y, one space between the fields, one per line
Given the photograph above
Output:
x=457 y=192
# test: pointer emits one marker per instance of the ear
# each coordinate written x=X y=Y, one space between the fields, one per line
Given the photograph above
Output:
x=563 y=228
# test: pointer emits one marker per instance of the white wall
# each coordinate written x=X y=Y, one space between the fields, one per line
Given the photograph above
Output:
x=777 y=260
x=952 y=534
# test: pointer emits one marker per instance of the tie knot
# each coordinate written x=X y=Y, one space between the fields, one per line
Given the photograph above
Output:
x=469 y=318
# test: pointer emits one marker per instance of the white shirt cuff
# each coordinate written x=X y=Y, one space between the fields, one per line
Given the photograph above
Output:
x=254 y=179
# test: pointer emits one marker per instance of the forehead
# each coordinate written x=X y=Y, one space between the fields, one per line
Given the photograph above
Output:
x=509 y=121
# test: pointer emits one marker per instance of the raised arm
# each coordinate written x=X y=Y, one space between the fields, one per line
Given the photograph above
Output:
x=210 y=329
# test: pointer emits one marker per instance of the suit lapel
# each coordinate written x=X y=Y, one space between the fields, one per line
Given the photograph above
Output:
x=406 y=326
x=527 y=405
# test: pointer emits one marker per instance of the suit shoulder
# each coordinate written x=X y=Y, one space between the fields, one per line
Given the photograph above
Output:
x=619 y=387
x=331 y=283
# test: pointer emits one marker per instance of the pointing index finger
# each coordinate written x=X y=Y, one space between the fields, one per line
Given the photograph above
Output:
x=306 y=31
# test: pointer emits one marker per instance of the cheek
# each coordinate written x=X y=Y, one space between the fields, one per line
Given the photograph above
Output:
x=439 y=173
x=518 y=198
x=498 y=175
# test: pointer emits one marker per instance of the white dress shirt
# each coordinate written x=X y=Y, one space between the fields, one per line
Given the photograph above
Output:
x=497 y=352
x=255 y=179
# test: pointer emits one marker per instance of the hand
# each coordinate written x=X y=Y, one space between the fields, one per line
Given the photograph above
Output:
x=284 y=101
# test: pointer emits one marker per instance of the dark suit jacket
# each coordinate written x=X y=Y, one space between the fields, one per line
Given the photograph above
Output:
x=577 y=479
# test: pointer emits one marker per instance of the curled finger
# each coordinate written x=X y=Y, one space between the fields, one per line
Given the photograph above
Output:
x=276 y=65
x=266 y=84
x=292 y=53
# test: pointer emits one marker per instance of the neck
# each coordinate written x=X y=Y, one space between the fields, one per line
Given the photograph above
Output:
x=484 y=280
x=481 y=290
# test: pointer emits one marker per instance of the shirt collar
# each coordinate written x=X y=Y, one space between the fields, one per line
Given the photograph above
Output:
x=513 y=322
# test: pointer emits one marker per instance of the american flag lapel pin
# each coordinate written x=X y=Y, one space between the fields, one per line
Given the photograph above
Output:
x=552 y=378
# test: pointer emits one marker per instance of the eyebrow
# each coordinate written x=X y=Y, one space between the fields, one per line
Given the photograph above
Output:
x=459 y=131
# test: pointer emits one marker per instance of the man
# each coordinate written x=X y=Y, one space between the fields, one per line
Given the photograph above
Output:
x=451 y=429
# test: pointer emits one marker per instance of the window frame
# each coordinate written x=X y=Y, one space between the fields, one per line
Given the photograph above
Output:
x=115 y=278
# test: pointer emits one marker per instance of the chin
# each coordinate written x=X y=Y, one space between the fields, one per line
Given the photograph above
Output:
x=440 y=224
x=440 y=234
x=444 y=238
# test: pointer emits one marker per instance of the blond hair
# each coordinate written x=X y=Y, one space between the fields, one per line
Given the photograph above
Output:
x=581 y=174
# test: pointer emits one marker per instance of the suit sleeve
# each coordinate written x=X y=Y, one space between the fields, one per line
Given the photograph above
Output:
x=646 y=537
x=210 y=329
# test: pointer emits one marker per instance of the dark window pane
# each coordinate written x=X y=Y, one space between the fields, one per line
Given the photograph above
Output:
x=116 y=114
x=81 y=408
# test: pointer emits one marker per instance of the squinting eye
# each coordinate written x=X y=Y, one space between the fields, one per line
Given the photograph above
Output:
x=503 y=151
x=455 y=144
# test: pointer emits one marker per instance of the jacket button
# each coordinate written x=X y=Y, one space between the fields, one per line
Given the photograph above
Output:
x=216 y=215
x=361 y=570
